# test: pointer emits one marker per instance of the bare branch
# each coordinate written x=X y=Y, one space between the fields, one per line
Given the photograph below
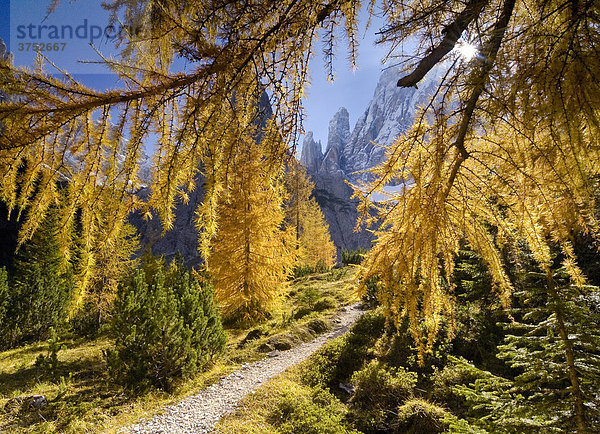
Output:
x=453 y=32
x=490 y=57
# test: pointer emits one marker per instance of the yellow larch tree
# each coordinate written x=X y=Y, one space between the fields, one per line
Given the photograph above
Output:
x=507 y=149
x=251 y=254
x=305 y=218
x=319 y=252
x=507 y=142
x=232 y=52
x=505 y=153
x=110 y=263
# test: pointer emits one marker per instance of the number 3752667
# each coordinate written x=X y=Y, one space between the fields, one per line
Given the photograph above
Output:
x=36 y=46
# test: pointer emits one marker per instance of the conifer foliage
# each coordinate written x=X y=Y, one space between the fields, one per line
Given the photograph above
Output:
x=250 y=255
x=234 y=51
x=111 y=263
x=40 y=289
x=505 y=150
x=304 y=216
x=536 y=347
x=318 y=249
x=166 y=326
x=543 y=395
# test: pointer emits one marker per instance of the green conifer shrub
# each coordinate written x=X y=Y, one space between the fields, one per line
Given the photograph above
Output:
x=457 y=372
x=379 y=390
x=306 y=270
x=304 y=410
x=48 y=365
x=353 y=256
x=417 y=416
x=396 y=348
x=166 y=327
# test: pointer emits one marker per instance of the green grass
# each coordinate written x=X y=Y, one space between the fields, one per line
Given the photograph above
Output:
x=85 y=400
x=306 y=399
x=286 y=405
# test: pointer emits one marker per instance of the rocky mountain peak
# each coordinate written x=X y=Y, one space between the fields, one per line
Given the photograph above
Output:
x=390 y=113
x=3 y=49
x=339 y=133
x=311 y=155
x=339 y=130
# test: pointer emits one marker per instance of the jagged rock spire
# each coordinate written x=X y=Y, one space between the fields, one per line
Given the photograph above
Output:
x=339 y=129
x=339 y=133
x=3 y=49
x=311 y=155
x=390 y=113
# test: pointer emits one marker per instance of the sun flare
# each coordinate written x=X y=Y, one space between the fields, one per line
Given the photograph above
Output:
x=467 y=51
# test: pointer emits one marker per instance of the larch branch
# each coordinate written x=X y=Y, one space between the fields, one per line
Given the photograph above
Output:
x=490 y=56
x=452 y=32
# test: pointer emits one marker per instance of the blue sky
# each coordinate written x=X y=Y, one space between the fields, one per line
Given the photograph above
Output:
x=351 y=89
x=18 y=15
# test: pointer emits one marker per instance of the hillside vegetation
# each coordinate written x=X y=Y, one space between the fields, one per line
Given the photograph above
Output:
x=504 y=371
x=82 y=397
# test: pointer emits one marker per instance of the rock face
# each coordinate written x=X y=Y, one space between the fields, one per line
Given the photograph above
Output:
x=339 y=133
x=339 y=130
x=333 y=195
x=390 y=113
x=181 y=239
x=311 y=153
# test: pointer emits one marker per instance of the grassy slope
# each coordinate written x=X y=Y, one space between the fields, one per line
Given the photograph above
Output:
x=286 y=404
x=84 y=400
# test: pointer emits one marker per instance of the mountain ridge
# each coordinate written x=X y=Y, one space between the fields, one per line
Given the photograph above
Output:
x=349 y=154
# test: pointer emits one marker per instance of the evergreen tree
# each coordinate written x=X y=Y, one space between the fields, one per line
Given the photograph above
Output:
x=508 y=140
x=250 y=255
x=198 y=310
x=553 y=345
x=479 y=313
x=41 y=288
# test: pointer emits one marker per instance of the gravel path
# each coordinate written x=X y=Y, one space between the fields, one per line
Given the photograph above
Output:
x=201 y=412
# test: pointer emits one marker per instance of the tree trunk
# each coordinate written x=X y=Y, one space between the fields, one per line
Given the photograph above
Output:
x=570 y=357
